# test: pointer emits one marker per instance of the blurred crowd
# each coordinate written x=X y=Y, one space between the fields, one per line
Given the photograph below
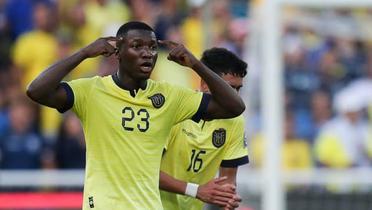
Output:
x=36 y=33
x=327 y=56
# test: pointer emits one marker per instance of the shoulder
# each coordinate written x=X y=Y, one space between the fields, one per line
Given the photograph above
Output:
x=233 y=123
x=87 y=80
x=167 y=86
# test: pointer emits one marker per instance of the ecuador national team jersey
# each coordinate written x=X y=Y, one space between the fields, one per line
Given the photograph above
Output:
x=195 y=152
x=125 y=136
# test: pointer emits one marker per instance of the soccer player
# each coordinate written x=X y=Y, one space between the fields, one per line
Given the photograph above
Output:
x=196 y=151
x=127 y=117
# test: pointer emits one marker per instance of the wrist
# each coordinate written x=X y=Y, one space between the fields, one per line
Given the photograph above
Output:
x=191 y=189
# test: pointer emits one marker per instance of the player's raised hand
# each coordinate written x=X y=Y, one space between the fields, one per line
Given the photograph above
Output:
x=217 y=193
x=105 y=46
x=179 y=54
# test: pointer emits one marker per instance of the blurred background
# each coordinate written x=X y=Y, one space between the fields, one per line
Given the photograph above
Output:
x=308 y=94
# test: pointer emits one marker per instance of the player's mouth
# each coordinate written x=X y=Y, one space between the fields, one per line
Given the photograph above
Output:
x=146 y=67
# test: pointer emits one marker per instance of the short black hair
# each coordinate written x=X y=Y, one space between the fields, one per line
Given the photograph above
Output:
x=223 y=61
x=133 y=25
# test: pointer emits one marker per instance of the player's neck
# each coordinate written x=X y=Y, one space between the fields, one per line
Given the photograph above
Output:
x=128 y=83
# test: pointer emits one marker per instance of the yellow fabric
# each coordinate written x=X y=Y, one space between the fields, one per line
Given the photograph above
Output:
x=330 y=152
x=171 y=72
x=192 y=157
x=125 y=137
x=295 y=154
x=114 y=13
x=33 y=52
x=192 y=31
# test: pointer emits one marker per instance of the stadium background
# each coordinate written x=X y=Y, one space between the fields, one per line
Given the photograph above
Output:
x=317 y=108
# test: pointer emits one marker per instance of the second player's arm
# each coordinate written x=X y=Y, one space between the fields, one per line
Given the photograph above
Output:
x=212 y=192
x=230 y=173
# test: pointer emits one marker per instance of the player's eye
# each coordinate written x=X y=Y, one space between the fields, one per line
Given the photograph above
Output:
x=136 y=45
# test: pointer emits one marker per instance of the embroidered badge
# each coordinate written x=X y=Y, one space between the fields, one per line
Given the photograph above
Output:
x=157 y=100
x=219 y=137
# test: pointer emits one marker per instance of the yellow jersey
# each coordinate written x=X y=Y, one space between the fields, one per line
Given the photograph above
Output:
x=125 y=136
x=195 y=152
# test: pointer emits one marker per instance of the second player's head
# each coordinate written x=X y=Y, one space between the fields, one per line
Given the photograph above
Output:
x=227 y=65
x=137 y=50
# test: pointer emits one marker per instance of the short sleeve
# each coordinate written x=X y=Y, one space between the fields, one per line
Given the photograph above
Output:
x=78 y=92
x=236 y=153
x=190 y=104
x=172 y=135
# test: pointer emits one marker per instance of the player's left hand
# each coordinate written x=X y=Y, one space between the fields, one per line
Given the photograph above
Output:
x=217 y=193
x=179 y=54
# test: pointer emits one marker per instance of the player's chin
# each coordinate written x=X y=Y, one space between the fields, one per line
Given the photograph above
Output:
x=144 y=75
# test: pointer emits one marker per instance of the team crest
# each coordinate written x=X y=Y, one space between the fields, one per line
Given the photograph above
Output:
x=219 y=137
x=157 y=100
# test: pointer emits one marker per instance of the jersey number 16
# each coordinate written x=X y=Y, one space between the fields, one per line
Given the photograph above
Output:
x=196 y=162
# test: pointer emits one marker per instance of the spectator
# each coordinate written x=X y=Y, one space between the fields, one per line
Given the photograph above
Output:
x=43 y=44
x=341 y=141
x=21 y=147
x=296 y=152
x=70 y=146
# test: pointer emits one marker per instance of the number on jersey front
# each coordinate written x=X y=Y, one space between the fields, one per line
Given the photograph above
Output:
x=196 y=163
x=129 y=115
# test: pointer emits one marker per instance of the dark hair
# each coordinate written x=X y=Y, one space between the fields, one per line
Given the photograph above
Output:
x=223 y=61
x=133 y=25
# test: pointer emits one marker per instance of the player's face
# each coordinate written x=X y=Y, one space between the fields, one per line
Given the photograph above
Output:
x=234 y=81
x=138 y=54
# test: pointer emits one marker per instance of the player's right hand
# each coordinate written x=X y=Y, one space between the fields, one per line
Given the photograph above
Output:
x=179 y=54
x=217 y=193
x=105 y=46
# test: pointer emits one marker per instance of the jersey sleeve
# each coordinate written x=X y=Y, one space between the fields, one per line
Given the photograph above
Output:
x=171 y=136
x=78 y=92
x=190 y=104
x=236 y=153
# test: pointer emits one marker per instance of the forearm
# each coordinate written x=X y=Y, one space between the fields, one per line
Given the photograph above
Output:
x=48 y=81
x=230 y=174
x=221 y=92
x=170 y=184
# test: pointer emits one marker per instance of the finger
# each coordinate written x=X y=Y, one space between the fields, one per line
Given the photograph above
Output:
x=225 y=194
x=237 y=198
x=112 y=38
x=226 y=189
x=220 y=179
x=168 y=44
x=109 y=50
x=230 y=187
x=233 y=204
x=229 y=207
x=107 y=54
x=219 y=203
